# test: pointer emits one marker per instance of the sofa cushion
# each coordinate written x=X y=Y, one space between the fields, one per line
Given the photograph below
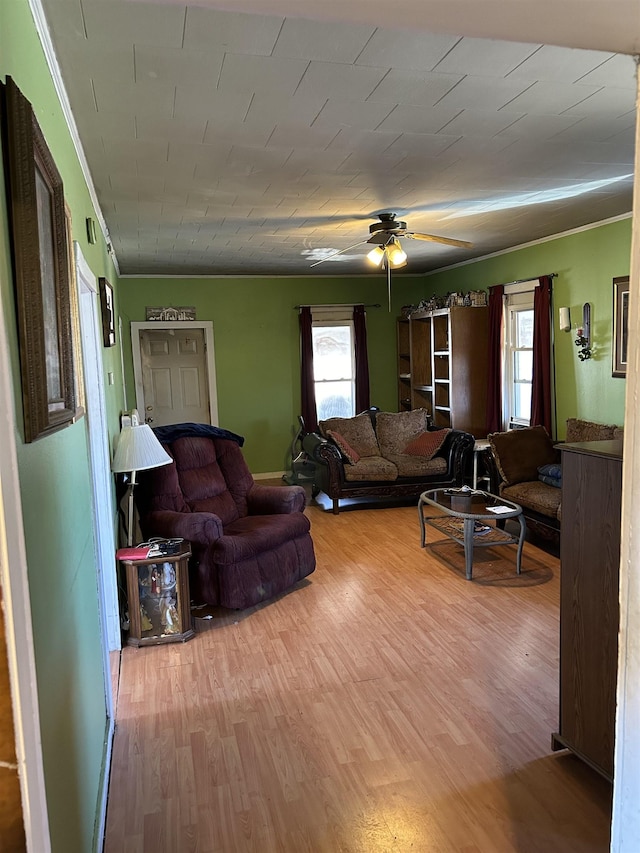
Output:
x=419 y=466
x=371 y=468
x=536 y=496
x=580 y=430
x=427 y=444
x=357 y=431
x=352 y=456
x=396 y=429
x=519 y=452
x=254 y=535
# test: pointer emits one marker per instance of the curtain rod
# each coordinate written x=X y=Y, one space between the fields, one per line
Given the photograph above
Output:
x=339 y=305
x=522 y=280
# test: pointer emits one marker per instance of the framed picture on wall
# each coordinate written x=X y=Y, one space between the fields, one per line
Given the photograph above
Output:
x=108 y=314
x=42 y=270
x=620 y=325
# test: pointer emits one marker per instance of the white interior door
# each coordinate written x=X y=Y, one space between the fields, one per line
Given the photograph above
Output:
x=175 y=372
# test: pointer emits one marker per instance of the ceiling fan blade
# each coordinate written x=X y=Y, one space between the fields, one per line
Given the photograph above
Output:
x=432 y=238
x=339 y=252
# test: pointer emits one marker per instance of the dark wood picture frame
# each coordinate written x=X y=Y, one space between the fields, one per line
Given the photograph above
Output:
x=41 y=270
x=108 y=314
x=620 y=325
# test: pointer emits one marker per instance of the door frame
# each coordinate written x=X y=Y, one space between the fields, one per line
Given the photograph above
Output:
x=207 y=327
x=103 y=510
x=14 y=581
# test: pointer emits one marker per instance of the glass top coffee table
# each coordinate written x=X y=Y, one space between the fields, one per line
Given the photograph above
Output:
x=466 y=516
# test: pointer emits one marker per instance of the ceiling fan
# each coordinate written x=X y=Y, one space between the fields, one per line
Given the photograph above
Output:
x=387 y=247
x=384 y=236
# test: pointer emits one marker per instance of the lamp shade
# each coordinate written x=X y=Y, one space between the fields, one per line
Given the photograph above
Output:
x=138 y=449
x=376 y=255
x=396 y=254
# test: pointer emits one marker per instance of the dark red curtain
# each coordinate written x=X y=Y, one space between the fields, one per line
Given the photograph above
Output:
x=307 y=387
x=494 y=370
x=362 y=359
x=541 y=390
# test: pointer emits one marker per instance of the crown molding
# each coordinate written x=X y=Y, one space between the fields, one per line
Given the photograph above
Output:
x=42 y=28
x=538 y=242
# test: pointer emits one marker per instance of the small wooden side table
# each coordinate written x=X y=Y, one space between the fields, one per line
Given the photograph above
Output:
x=480 y=447
x=159 y=599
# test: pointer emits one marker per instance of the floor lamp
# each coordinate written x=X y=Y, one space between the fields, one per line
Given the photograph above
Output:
x=138 y=450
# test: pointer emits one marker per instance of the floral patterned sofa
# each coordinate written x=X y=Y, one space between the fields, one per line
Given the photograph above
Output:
x=526 y=468
x=385 y=454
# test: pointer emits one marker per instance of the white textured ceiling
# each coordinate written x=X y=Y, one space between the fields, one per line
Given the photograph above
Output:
x=254 y=142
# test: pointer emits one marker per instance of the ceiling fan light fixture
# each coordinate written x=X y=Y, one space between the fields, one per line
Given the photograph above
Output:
x=376 y=255
x=396 y=254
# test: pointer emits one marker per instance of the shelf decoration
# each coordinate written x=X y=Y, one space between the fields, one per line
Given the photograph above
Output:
x=471 y=299
x=583 y=339
x=169 y=313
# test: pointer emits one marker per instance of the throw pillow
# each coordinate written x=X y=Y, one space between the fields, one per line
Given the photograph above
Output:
x=395 y=430
x=358 y=431
x=427 y=444
x=519 y=452
x=351 y=455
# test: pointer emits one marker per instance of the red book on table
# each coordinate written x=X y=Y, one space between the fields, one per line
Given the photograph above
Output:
x=138 y=552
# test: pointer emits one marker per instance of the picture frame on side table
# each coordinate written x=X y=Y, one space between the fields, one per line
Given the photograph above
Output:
x=620 y=325
x=108 y=314
x=41 y=267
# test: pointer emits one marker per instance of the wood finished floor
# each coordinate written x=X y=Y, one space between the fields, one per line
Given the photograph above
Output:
x=385 y=704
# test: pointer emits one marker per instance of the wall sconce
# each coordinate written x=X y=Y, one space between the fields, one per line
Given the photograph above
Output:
x=565 y=319
x=584 y=334
x=91 y=230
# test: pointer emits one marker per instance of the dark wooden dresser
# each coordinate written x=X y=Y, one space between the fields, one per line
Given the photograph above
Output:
x=589 y=610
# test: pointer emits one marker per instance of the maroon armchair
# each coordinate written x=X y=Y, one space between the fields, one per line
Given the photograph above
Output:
x=249 y=541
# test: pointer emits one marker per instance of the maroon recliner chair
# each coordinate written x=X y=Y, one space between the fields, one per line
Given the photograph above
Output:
x=249 y=541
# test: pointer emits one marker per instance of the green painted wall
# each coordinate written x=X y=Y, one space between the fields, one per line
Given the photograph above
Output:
x=56 y=500
x=256 y=331
x=586 y=263
x=257 y=346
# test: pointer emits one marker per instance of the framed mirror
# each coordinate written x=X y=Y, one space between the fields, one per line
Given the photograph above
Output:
x=41 y=270
x=620 y=325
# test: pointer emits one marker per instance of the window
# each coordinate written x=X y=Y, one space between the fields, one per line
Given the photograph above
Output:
x=518 y=359
x=334 y=368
